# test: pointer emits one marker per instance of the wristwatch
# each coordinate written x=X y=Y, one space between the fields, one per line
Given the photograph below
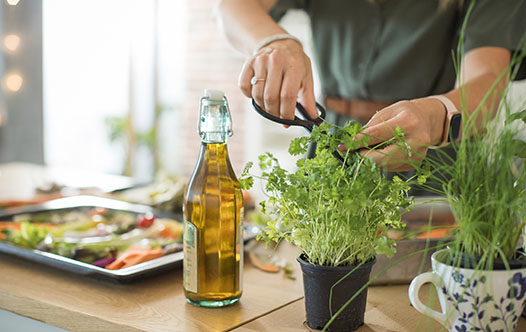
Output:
x=452 y=123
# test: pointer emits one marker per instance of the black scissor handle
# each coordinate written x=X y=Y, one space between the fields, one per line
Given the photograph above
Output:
x=307 y=122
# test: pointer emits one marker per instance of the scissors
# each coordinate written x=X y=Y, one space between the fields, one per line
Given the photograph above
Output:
x=303 y=119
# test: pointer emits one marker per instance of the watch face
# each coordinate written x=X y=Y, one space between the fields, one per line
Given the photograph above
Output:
x=454 y=127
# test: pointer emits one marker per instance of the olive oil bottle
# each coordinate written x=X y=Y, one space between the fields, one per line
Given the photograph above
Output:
x=213 y=208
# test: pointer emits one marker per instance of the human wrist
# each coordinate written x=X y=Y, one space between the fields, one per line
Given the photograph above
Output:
x=278 y=41
x=437 y=114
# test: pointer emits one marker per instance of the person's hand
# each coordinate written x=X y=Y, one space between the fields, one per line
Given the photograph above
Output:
x=422 y=122
x=287 y=75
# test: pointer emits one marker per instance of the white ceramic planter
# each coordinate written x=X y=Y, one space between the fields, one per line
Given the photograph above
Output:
x=472 y=300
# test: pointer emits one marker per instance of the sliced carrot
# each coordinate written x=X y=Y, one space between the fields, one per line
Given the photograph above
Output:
x=9 y=224
x=436 y=233
x=171 y=229
x=133 y=256
x=258 y=262
x=16 y=225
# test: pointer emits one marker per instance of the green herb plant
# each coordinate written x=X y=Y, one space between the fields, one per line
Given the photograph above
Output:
x=486 y=184
x=486 y=189
x=489 y=199
x=336 y=215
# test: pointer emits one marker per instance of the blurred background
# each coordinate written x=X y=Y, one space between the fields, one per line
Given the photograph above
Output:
x=114 y=86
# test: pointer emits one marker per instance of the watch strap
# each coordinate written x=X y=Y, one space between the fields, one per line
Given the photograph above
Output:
x=451 y=111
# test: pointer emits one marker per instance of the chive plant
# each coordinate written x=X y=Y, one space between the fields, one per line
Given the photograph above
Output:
x=486 y=188
x=486 y=184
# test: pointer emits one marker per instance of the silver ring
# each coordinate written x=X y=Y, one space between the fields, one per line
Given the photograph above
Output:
x=408 y=149
x=254 y=80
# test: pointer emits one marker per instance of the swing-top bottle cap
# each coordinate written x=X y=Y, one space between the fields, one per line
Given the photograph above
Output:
x=215 y=123
x=212 y=94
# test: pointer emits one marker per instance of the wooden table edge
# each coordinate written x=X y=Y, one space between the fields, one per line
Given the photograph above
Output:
x=58 y=316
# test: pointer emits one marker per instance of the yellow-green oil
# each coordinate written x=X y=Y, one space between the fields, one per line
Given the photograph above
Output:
x=212 y=209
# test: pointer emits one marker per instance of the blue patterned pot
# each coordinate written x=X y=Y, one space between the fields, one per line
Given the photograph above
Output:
x=472 y=300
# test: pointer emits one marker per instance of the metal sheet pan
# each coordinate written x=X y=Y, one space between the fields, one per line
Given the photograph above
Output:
x=152 y=267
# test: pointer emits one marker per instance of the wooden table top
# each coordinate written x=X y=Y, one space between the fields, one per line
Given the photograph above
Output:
x=156 y=303
x=270 y=302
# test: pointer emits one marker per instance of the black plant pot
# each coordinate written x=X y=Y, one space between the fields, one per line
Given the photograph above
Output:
x=317 y=283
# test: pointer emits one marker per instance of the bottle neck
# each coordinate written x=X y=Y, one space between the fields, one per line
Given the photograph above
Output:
x=213 y=137
x=214 y=153
x=215 y=124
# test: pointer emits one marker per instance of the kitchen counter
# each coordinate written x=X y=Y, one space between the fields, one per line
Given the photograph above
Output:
x=270 y=302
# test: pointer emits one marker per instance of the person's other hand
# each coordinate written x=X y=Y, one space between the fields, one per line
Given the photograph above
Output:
x=422 y=122
x=287 y=75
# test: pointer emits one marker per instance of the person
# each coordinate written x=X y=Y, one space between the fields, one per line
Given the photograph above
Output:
x=386 y=63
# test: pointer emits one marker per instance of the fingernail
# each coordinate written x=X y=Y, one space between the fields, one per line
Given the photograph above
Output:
x=342 y=147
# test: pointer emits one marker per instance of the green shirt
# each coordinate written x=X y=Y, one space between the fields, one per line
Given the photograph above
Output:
x=399 y=49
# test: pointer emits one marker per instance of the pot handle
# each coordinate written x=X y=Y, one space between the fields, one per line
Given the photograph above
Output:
x=414 y=288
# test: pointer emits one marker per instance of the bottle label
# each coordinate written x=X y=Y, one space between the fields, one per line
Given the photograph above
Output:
x=190 y=257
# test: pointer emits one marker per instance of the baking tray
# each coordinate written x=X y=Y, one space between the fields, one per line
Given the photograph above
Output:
x=129 y=274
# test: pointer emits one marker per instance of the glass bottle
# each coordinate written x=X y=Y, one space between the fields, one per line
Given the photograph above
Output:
x=212 y=209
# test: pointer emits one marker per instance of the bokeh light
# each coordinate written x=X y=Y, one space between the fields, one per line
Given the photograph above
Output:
x=11 y=42
x=13 y=82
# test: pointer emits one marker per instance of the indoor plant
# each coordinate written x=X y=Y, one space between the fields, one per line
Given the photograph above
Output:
x=481 y=278
x=337 y=215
